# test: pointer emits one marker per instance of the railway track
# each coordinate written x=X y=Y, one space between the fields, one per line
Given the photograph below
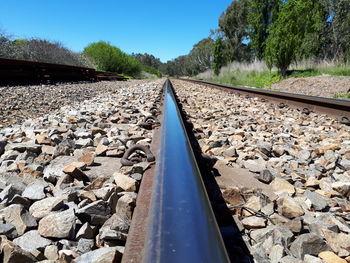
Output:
x=235 y=179
x=20 y=71
x=164 y=229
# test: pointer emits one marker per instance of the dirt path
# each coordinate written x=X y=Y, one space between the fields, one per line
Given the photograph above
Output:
x=324 y=86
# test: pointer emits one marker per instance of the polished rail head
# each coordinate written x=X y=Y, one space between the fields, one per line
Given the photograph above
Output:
x=182 y=224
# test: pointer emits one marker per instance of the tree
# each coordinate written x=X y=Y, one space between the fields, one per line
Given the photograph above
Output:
x=336 y=30
x=234 y=23
x=218 y=59
x=289 y=31
x=200 y=57
x=148 y=60
x=262 y=13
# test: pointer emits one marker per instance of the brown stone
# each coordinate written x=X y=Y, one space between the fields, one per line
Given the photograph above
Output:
x=11 y=253
x=42 y=139
x=88 y=195
x=101 y=150
x=80 y=165
x=330 y=257
x=233 y=196
x=75 y=172
x=50 y=150
x=87 y=158
x=114 y=153
x=96 y=184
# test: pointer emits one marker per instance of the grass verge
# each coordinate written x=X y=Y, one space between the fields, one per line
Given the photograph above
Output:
x=260 y=78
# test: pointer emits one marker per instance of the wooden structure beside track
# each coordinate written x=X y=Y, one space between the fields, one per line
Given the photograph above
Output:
x=24 y=72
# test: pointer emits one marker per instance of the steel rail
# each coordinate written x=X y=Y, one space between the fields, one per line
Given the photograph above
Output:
x=335 y=107
x=182 y=225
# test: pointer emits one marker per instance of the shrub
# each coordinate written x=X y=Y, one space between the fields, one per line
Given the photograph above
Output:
x=111 y=58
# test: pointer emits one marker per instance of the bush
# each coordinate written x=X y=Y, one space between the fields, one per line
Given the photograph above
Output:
x=152 y=70
x=40 y=50
x=111 y=58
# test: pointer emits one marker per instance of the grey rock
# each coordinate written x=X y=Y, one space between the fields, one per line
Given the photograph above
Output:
x=18 y=216
x=290 y=259
x=281 y=234
x=254 y=222
x=42 y=208
x=2 y=146
x=136 y=176
x=95 y=213
x=51 y=252
x=85 y=245
x=266 y=176
x=256 y=166
x=304 y=156
x=105 y=255
x=32 y=240
x=26 y=146
x=85 y=231
x=290 y=208
x=82 y=143
x=125 y=206
x=308 y=244
x=295 y=225
x=276 y=253
x=7 y=194
x=345 y=163
x=14 y=254
x=34 y=191
x=115 y=228
x=58 y=224
x=230 y=152
x=9 y=155
x=265 y=147
x=8 y=230
x=104 y=193
x=61 y=149
x=20 y=200
x=328 y=218
x=312 y=259
x=318 y=201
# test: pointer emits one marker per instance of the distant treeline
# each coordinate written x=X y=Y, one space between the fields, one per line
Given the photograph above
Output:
x=279 y=32
x=101 y=55
x=41 y=50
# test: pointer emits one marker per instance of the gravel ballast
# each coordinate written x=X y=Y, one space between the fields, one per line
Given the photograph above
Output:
x=291 y=172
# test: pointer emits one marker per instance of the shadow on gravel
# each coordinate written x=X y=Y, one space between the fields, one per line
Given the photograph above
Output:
x=235 y=246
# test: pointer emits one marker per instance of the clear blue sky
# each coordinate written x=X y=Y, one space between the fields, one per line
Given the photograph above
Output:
x=164 y=28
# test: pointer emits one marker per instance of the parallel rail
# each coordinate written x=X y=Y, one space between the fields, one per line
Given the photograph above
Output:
x=23 y=72
x=333 y=107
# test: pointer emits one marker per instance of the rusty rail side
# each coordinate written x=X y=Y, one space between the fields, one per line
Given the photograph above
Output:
x=23 y=72
x=329 y=106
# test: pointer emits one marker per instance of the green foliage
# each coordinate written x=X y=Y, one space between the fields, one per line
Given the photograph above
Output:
x=40 y=50
x=111 y=58
x=152 y=70
x=341 y=96
x=262 y=13
x=288 y=32
x=257 y=79
x=264 y=78
x=336 y=30
x=234 y=24
x=148 y=60
x=198 y=60
x=218 y=59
